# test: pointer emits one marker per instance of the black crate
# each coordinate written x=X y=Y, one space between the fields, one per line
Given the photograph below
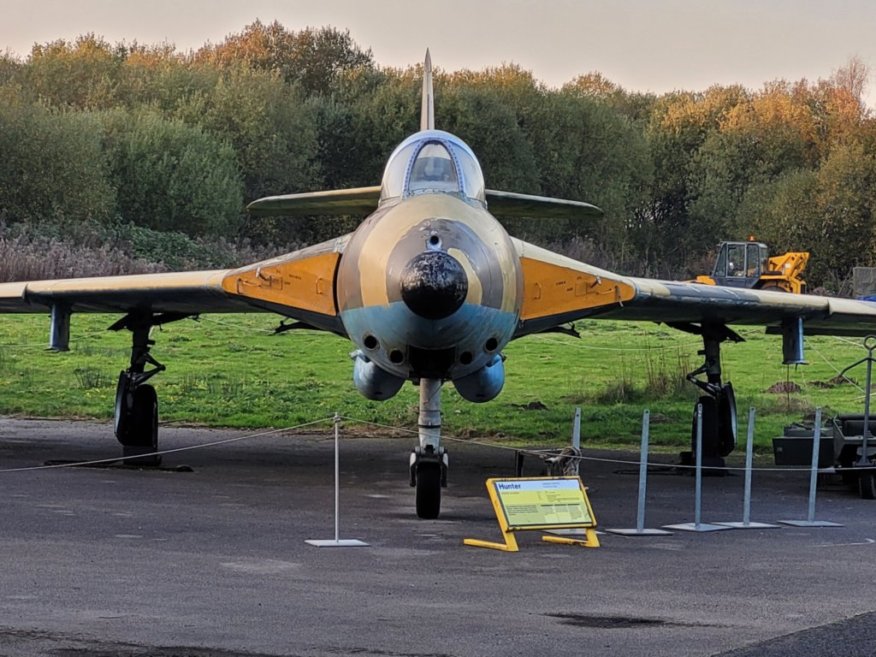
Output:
x=797 y=450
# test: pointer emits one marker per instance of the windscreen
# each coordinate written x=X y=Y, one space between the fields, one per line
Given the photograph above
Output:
x=433 y=161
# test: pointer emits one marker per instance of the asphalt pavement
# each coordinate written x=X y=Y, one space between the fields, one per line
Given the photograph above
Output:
x=211 y=560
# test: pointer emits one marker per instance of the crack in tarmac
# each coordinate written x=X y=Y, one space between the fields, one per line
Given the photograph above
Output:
x=37 y=642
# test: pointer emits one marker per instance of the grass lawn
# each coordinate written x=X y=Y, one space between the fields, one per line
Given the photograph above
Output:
x=229 y=370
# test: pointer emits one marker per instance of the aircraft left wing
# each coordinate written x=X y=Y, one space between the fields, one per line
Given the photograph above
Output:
x=299 y=285
x=558 y=290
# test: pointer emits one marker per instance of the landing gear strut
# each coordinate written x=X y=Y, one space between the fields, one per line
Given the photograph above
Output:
x=718 y=402
x=429 y=460
x=136 y=406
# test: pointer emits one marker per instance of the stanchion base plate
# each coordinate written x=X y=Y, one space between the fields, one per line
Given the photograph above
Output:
x=694 y=527
x=810 y=523
x=750 y=525
x=639 y=532
x=331 y=542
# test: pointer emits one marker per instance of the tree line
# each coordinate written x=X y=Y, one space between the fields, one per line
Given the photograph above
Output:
x=157 y=152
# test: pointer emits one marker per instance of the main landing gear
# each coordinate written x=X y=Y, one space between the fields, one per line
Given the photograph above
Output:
x=136 y=406
x=718 y=402
x=429 y=460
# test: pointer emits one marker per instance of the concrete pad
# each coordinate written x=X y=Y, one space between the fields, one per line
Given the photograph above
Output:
x=212 y=562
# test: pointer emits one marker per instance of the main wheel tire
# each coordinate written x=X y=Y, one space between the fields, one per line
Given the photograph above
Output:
x=710 y=428
x=143 y=430
x=867 y=485
x=141 y=439
x=428 y=490
x=123 y=407
x=726 y=420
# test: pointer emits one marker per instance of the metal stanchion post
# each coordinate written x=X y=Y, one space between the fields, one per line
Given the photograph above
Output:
x=746 y=497
x=643 y=471
x=813 y=482
x=337 y=542
x=643 y=485
x=576 y=429
x=698 y=473
x=697 y=525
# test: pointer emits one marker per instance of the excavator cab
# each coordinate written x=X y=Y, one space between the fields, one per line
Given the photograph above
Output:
x=749 y=265
x=740 y=264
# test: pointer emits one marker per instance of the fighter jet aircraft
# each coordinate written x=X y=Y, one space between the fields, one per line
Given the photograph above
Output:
x=429 y=288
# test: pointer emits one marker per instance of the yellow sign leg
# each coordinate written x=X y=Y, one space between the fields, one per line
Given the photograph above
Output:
x=510 y=544
x=591 y=540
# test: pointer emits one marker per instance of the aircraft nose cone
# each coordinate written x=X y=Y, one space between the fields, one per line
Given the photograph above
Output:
x=434 y=285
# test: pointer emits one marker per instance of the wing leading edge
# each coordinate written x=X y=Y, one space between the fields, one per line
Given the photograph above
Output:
x=559 y=289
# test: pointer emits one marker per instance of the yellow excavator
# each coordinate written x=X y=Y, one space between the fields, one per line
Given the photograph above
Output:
x=748 y=264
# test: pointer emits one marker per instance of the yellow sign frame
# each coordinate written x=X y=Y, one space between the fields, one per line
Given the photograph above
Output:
x=539 y=504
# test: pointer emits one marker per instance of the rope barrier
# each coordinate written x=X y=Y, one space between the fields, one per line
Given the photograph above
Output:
x=225 y=441
x=539 y=453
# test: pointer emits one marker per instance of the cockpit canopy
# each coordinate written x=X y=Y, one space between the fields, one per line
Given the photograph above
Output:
x=433 y=161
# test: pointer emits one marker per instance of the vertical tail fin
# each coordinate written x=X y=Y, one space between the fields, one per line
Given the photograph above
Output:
x=427 y=110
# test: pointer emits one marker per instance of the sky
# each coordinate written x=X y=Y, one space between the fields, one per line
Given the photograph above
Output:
x=642 y=45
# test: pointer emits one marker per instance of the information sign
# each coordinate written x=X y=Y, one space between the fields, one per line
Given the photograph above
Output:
x=540 y=503
x=543 y=503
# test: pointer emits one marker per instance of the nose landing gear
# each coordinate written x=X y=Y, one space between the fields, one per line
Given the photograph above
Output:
x=429 y=460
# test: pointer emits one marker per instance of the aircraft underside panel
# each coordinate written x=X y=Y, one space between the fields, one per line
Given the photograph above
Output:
x=299 y=285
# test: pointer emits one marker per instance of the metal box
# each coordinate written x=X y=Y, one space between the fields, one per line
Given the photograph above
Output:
x=797 y=450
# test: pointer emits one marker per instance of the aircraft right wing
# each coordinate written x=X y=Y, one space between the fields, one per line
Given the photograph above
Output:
x=559 y=290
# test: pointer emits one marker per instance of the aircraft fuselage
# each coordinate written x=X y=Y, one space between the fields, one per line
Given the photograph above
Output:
x=430 y=286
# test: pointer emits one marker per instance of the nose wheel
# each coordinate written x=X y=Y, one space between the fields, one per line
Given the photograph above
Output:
x=429 y=476
x=428 y=491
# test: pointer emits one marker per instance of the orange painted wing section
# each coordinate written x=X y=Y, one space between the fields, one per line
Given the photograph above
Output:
x=301 y=283
x=550 y=289
x=558 y=290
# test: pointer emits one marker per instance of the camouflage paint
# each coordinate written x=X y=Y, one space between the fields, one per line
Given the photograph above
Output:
x=369 y=284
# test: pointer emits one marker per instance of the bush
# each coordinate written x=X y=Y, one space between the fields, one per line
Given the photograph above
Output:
x=46 y=250
x=28 y=258
x=172 y=176
x=176 y=251
x=52 y=166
